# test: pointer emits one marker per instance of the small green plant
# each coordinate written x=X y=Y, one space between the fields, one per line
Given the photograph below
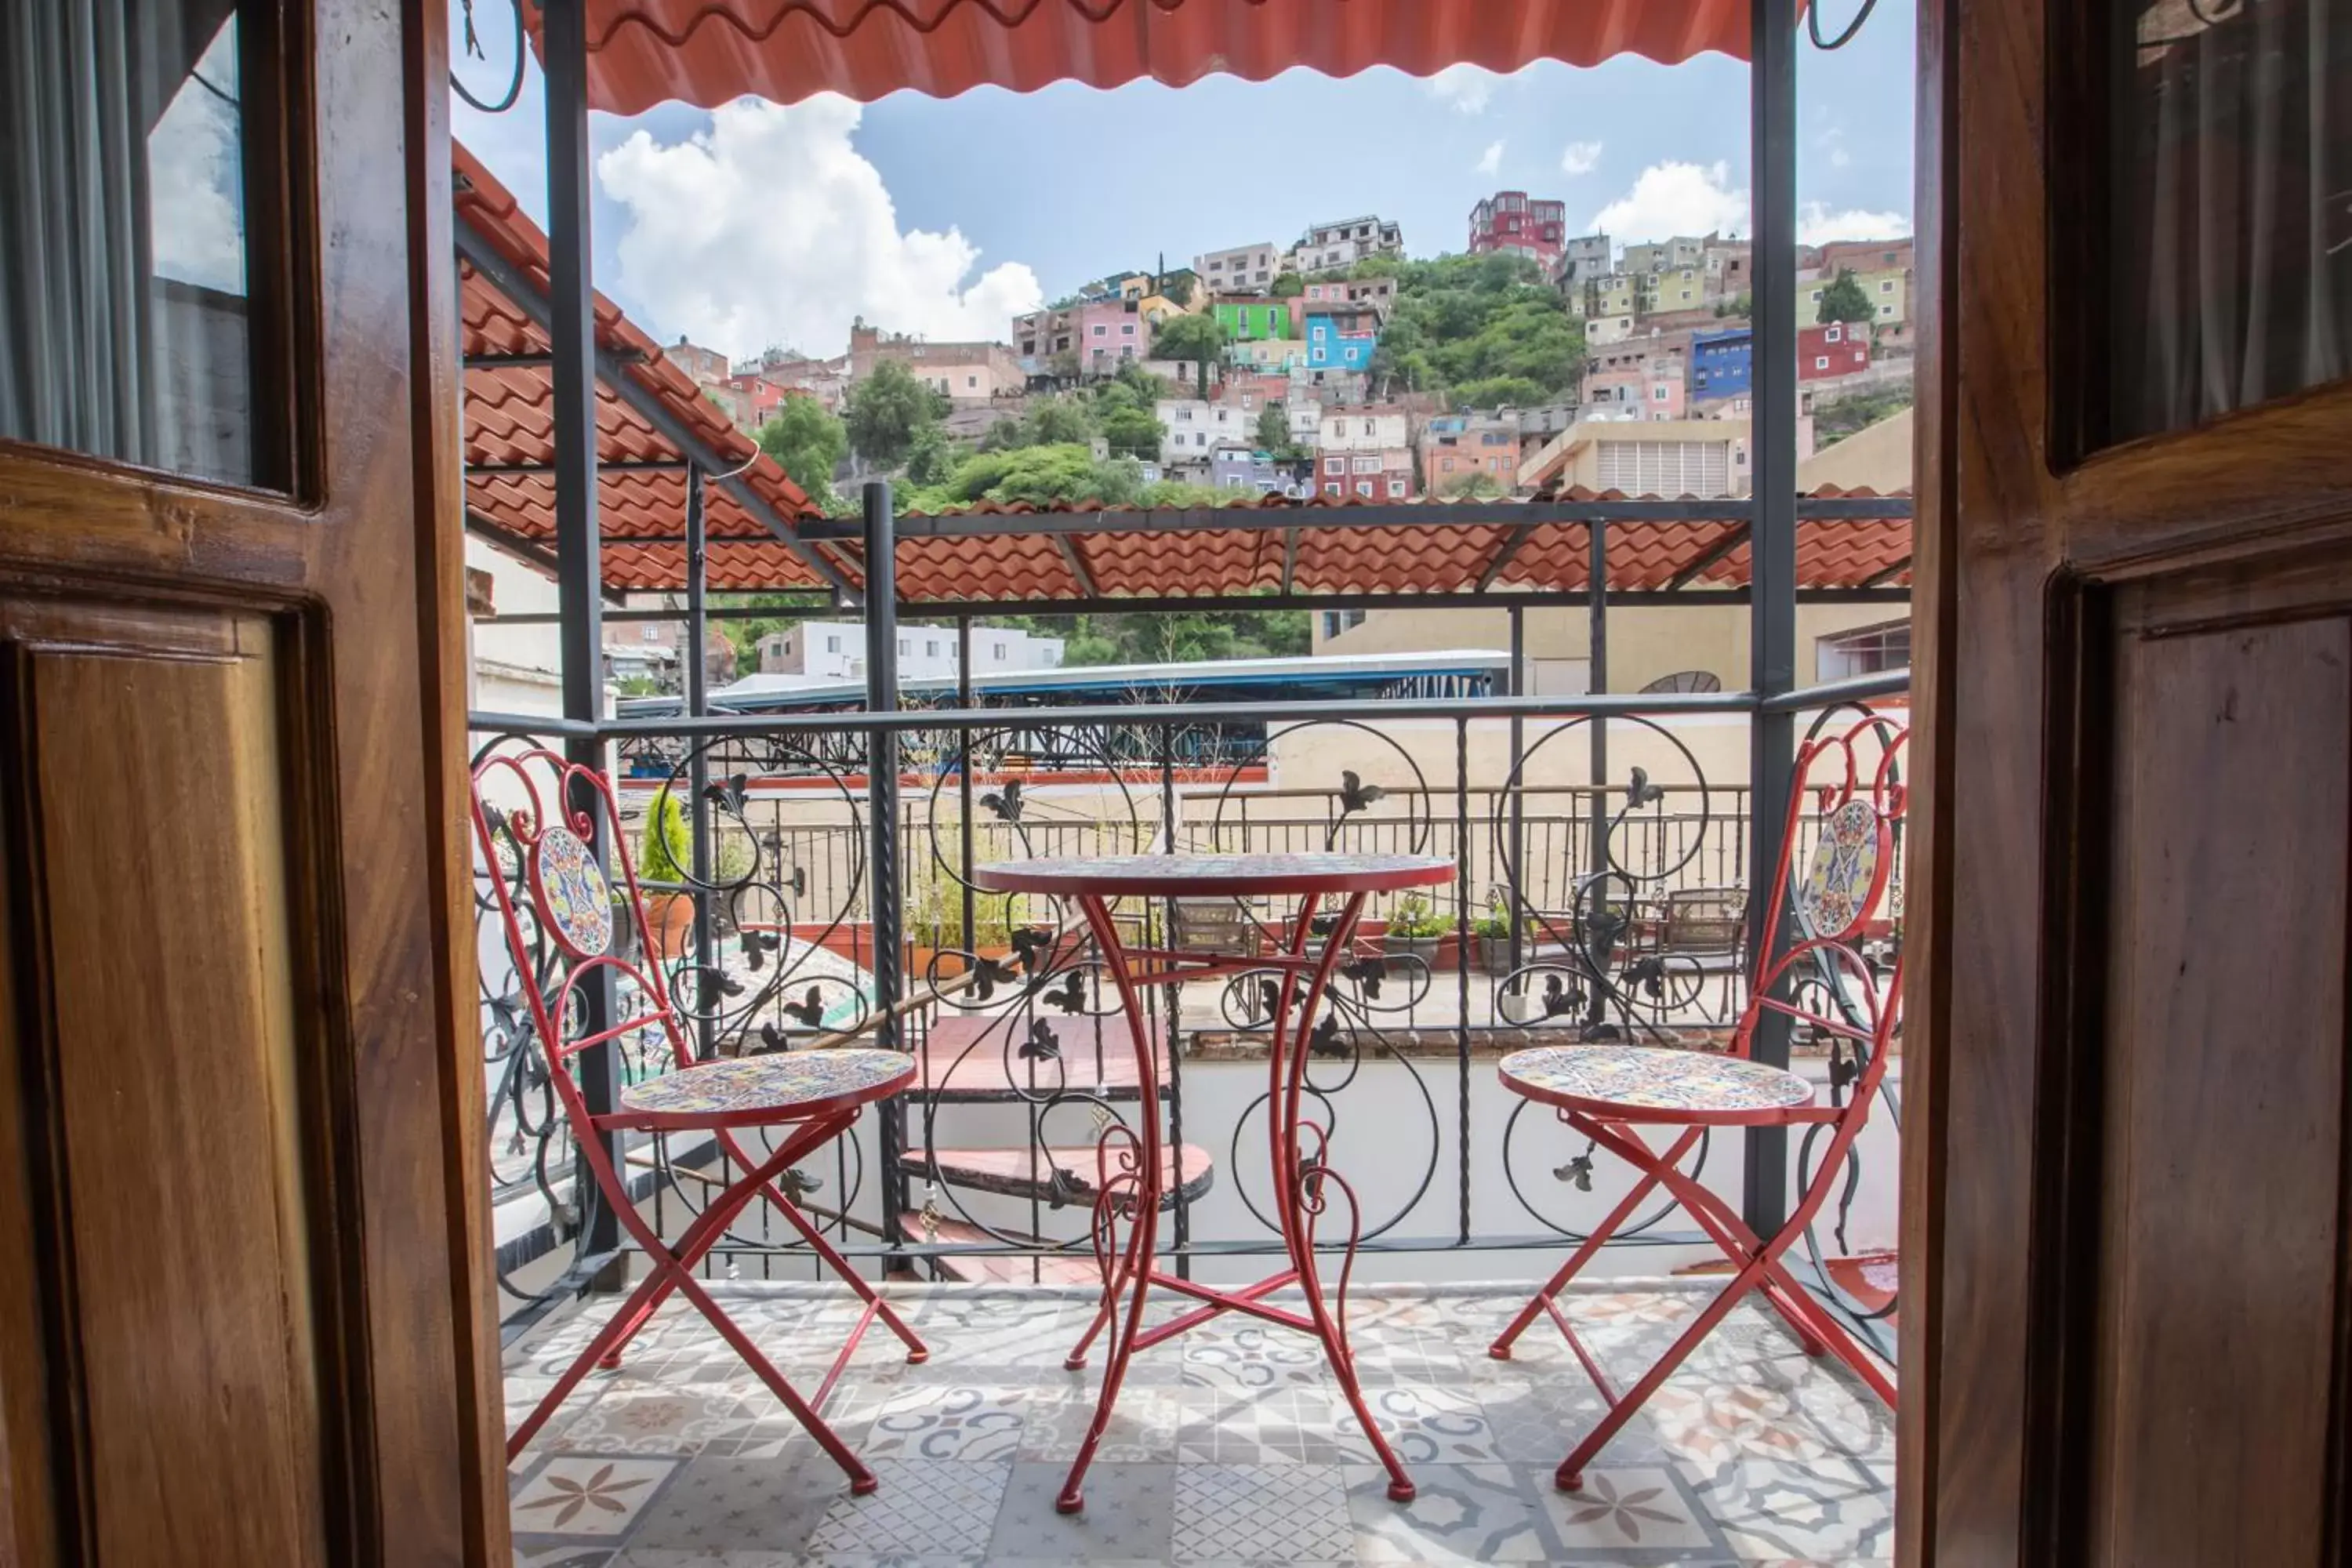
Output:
x=665 y=846
x=1413 y=920
x=1496 y=923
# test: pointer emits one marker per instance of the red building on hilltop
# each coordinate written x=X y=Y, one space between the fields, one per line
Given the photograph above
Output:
x=1508 y=221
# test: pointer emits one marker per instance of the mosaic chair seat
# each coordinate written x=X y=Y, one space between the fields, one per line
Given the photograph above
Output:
x=534 y=812
x=1650 y=1105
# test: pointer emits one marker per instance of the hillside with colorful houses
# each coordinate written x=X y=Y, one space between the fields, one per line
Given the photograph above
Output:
x=1337 y=367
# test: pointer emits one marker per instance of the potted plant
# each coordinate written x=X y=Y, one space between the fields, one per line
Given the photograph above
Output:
x=1493 y=931
x=666 y=854
x=1415 y=929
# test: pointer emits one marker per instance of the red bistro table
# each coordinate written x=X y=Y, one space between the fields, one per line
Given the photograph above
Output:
x=1129 y=1181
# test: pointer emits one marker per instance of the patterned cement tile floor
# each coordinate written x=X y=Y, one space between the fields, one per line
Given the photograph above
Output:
x=1231 y=1445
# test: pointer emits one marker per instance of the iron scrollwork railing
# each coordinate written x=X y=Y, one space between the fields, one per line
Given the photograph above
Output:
x=1590 y=905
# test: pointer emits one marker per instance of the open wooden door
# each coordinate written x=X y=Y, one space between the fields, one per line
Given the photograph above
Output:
x=2128 y=1324
x=240 y=1314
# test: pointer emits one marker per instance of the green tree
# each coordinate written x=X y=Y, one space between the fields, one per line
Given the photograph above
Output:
x=1273 y=429
x=1743 y=307
x=887 y=410
x=931 y=455
x=1288 y=285
x=1044 y=476
x=1844 y=301
x=809 y=442
x=1200 y=339
x=1132 y=433
x=1474 y=487
x=1053 y=421
x=1499 y=392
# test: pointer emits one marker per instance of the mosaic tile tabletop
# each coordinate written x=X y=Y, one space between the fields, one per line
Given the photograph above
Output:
x=1230 y=1445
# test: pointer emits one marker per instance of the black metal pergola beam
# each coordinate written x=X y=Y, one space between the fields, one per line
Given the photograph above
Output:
x=1504 y=553
x=1687 y=572
x=1402 y=514
x=538 y=361
x=1077 y=566
x=1178 y=604
x=1887 y=574
x=622 y=466
x=611 y=370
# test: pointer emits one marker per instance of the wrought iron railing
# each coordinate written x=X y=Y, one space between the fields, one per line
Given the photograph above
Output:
x=1615 y=911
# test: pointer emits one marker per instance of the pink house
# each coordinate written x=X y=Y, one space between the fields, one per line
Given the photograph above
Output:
x=1108 y=331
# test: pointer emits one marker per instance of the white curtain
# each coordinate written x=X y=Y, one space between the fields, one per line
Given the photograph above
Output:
x=2237 y=164
x=122 y=232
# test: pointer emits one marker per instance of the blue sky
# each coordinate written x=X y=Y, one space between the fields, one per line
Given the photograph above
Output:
x=942 y=216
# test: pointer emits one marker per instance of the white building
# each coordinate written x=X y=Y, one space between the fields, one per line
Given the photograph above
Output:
x=1243 y=270
x=1361 y=430
x=1328 y=246
x=836 y=650
x=1189 y=429
x=1305 y=421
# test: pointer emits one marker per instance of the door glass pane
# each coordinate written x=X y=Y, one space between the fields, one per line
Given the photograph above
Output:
x=2228 y=240
x=127 y=294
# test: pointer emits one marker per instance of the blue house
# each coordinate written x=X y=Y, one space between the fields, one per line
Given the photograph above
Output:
x=1342 y=339
x=1723 y=364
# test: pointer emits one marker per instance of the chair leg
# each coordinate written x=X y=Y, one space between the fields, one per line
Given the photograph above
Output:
x=1501 y=1349
x=916 y=1351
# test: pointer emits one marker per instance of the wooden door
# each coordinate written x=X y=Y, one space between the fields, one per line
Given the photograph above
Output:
x=242 y=1316
x=2128 y=1327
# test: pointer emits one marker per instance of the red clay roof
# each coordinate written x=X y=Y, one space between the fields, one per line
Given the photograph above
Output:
x=1234 y=553
x=508 y=420
x=707 y=52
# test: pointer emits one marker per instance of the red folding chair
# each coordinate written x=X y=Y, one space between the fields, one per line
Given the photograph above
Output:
x=815 y=1096
x=1616 y=1094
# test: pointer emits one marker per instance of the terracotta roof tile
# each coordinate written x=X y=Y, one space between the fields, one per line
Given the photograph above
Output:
x=508 y=420
x=707 y=52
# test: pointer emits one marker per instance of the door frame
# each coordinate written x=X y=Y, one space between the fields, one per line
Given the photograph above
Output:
x=2016 y=545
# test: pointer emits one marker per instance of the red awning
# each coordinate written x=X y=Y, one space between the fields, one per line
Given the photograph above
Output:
x=707 y=52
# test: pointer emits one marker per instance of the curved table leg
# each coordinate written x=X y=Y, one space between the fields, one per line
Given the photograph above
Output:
x=1302 y=1188
x=1132 y=1268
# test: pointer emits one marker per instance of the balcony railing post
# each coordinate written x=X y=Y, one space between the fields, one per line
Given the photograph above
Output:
x=1170 y=816
x=1596 y=611
x=1772 y=584
x=571 y=339
x=698 y=766
x=1462 y=968
x=1518 y=688
x=882 y=823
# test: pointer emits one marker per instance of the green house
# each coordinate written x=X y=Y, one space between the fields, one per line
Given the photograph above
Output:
x=1247 y=320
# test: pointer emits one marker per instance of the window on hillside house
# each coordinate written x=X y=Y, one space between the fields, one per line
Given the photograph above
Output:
x=1364 y=489
x=1821 y=362
x=832 y=644
x=996 y=652
x=1331 y=489
x=902 y=647
x=1396 y=488
x=1862 y=652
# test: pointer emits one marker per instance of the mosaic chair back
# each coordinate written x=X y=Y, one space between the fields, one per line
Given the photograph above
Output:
x=536 y=815
x=1853 y=775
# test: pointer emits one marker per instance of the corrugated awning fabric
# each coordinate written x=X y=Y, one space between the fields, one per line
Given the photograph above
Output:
x=707 y=52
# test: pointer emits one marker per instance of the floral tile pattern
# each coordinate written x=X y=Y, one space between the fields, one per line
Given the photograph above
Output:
x=1233 y=1445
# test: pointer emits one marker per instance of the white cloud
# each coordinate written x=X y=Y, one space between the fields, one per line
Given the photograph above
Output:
x=1672 y=198
x=196 y=224
x=1581 y=158
x=1465 y=90
x=1816 y=225
x=1490 y=162
x=770 y=227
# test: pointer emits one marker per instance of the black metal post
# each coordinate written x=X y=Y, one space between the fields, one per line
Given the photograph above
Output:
x=882 y=829
x=1596 y=611
x=1773 y=548
x=1518 y=688
x=1169 y=825
x=964 y=785
x=571 y=337
x=698 y=766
